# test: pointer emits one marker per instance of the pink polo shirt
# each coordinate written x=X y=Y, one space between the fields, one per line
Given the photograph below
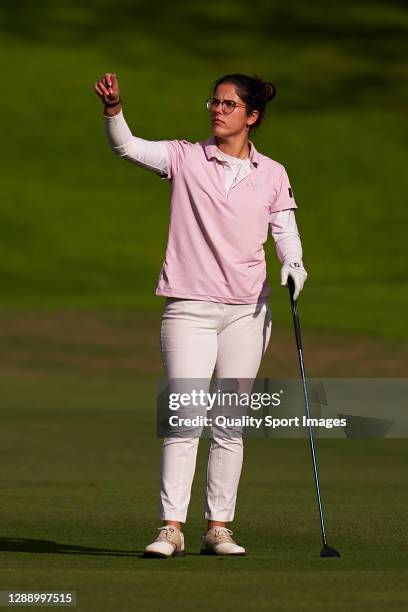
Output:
x=215 y=244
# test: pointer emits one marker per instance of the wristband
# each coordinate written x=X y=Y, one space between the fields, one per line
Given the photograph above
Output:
x=108 y=104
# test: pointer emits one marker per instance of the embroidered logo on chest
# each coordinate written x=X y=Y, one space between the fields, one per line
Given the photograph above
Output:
x=253 y=186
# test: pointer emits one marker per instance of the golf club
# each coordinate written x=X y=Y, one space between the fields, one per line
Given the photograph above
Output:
x=326 y=550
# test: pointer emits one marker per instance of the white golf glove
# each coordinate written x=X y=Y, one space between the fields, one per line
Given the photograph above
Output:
x=293 y=266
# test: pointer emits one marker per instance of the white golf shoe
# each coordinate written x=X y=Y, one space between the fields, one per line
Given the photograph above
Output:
x=169 y=543
x=218 y=541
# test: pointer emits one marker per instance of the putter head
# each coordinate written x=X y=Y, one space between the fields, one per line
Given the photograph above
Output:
x=327 y=551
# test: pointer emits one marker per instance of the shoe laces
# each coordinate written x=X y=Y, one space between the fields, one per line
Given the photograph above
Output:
x=166 y=533
x=223 y=534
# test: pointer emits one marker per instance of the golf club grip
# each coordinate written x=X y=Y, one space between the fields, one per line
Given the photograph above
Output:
x=296 y=322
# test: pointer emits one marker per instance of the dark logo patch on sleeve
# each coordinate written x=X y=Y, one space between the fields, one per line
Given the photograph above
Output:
x=290 y=192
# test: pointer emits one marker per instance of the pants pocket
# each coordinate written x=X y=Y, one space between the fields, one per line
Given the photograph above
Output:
x=174 y=306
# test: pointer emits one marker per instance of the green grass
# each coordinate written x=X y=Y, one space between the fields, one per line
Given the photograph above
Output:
x=79 y=489
x=82 y=228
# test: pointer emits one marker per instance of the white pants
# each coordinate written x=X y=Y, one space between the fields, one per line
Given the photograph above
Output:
x=199 y=339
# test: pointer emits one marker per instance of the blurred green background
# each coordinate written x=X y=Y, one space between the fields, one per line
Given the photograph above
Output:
x=82 y=228
x=82 y=239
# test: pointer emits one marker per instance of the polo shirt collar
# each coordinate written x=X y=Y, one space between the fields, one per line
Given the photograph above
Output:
x=212 y=151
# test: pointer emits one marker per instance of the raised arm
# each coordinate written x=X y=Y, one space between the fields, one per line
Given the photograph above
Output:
x=148 y=154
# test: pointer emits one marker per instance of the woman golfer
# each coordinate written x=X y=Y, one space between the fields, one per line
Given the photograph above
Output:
x=225 y=197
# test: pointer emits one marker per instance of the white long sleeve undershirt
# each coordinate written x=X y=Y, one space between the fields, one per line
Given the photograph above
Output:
x=152 y=155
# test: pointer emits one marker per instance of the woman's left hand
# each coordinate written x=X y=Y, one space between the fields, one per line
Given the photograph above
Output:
x=294 y=267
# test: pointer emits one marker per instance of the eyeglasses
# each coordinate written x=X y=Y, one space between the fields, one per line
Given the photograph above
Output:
x=227 y=106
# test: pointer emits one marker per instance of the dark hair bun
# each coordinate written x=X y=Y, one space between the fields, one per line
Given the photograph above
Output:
x=253 y=91
x=270 y=91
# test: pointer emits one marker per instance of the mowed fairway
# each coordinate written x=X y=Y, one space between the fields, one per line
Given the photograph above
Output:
x=82 y=239
x=80 y=479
